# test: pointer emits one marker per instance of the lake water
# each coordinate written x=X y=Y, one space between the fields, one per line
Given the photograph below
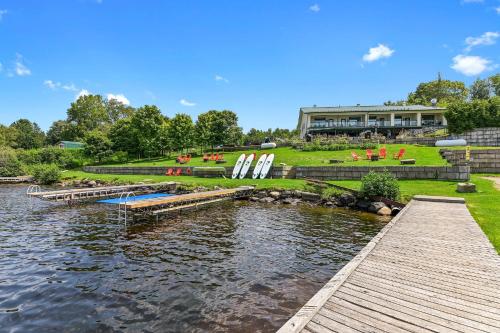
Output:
x=234 y=267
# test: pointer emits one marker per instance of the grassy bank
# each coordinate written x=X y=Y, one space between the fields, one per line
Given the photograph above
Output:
x=423 y=155
x=483 y=205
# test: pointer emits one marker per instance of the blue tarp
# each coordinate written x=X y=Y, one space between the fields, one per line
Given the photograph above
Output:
x=117 y=201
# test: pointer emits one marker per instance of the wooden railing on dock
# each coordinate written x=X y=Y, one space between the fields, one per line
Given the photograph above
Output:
x=79 y=194
x=431 y=269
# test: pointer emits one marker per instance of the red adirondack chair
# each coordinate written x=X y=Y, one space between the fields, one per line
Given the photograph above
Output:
x=212 y=157
x=369 y=154
x=220 y=157
x=188 y=158
x=400 y=154
x=178 y=172
x=206 y=158
x=382 y=153
x=170 y=172
x=355 y=156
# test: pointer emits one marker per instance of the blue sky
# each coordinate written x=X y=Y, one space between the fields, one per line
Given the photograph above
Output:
x=261 y=59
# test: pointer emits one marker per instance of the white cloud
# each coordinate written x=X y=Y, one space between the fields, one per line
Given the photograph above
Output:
x=471 y=65
x=497 y=9
x=51 y=84
x=221 y=78
x=120 y=98
x=20 y=67
x=185 y=102
x=1 y=67
x=315 y=8
x=2 y=13
x=378 y=52
x=83 y=92
x=488 y=38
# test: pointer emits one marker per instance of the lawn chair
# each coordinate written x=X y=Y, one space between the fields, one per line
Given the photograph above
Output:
x=178 y=172
x=369 y=154
x=178 y=159
x=206 y=158
x=400 y=154
x=355 y=156
x=220 y=157
x=188 y=158
x=382 y=153
x=170 y=172
x=212 y=157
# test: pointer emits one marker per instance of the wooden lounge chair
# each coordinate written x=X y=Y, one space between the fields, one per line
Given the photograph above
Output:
x=170 y=172
x=355 y=156
x=400 y=154
x=369 y=154
x=382 y=153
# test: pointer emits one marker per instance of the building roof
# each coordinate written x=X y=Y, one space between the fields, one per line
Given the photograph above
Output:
x=369 y=108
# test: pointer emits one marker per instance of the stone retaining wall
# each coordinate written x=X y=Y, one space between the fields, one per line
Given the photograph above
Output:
x=324 y=173
x=482 y=137
x=482 y=160
x=400 y=172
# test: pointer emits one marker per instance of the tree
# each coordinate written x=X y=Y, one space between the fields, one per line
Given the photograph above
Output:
x=218 y=128
x=87 y=113
x=60 y=130
x=495 y=84
x=480 y=89
x=465 y=116
x=146 y=125
x=123 y=138
x=97 y=145
x=116 y=110
x=8 y=136
x=181 y=131
x=29 y=135
x=445 y=91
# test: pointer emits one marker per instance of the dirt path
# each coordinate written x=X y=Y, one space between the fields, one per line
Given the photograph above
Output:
x=496 y=181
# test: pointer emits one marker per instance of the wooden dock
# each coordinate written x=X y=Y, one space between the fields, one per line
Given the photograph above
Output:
x=90 y=193
x=18 y=179
x=431 y=269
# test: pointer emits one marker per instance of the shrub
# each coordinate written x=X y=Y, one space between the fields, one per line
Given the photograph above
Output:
x=64 y=158
x=331 y=192
x=380 y=184
x=46 y=173
x=10 y=166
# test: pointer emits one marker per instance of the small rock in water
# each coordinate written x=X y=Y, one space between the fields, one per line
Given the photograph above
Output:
x=363 y=204
x=266 y=200
x=254 y=199
x=384 y=211
x=92 y=183
x=376 y=206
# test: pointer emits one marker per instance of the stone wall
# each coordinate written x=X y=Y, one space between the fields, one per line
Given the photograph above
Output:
x=481 y=160
x=400 y=172
x=482 y=137
x=324 y=173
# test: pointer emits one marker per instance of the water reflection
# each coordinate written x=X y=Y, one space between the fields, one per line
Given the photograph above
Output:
x=233 y=267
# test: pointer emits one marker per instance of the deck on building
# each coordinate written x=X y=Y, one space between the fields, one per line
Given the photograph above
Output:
x=431 y=269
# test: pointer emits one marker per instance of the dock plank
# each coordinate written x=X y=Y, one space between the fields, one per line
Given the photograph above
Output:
x=431 y=269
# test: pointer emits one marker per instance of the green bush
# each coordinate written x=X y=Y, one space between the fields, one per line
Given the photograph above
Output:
x=10 y=166
x=465 y=116
x=381 y=184
x=64 y=158
x=331 y=192
x=46 y=173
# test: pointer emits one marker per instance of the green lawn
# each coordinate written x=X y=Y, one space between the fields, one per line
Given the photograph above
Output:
x=483 y=205
x=423 y=155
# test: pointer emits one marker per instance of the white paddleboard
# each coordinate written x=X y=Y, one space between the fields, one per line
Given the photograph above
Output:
x=246 y=166
x=267 y=166
x=258 y=166
x=238 y=165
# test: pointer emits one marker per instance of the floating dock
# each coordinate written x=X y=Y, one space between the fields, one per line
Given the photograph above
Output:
x=19 y=179
x=92 y=193
x=431 y=269
x=159 y=205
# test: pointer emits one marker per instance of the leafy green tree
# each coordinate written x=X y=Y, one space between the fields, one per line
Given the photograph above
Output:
x=146 y=126
x=218 y=128
x=123 y=137
x=10 y=166
x=8 y=136
x=480 y=89
x=465 y=116
x=116 y=110
x=203 y=129
x=60 y=130
x=88 y=113
x=29 y=135
x=397 y=103
x=181 y=131
x=495 y=84
x=97 y=145
x=445 y=91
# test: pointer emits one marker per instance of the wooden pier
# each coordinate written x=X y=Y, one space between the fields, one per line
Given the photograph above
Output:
x=18 y=179
x=155 y=206
x=92 y=193
x=431 y=269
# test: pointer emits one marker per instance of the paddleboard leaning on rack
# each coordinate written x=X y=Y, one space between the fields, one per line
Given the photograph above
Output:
x=267 y=166
x=238 y=165
x=246 y=165
x=258 y=166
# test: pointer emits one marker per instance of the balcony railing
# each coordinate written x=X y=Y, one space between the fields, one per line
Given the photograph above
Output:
x=371 y=124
